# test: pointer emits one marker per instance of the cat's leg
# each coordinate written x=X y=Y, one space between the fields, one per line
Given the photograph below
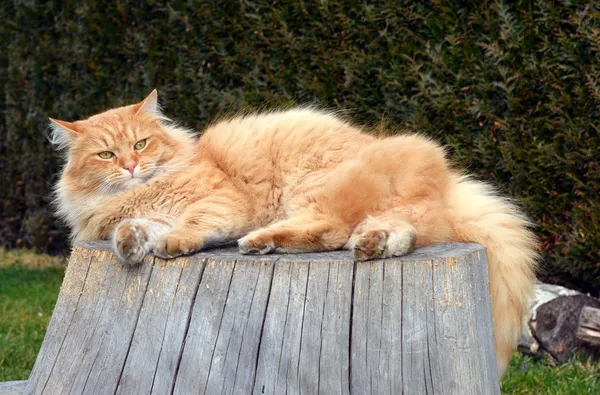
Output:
x=138 y=202
x=383 y=236
x=216 y=219
x=301 y=233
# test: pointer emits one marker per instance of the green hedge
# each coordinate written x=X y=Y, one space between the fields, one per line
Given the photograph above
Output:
x=511 y=87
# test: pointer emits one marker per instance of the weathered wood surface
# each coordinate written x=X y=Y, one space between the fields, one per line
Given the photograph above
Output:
x=588 y=330
x=542 y=293
x=12 y=387
x=220 y=322
x=556 y=325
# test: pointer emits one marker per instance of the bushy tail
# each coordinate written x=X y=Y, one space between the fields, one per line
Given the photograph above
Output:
x=480 y=215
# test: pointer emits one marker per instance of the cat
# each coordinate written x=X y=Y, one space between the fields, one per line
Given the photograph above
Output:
x=285 y=181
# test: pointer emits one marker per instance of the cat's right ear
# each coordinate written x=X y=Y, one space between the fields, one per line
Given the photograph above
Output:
x=62 y=133
x=149 y=105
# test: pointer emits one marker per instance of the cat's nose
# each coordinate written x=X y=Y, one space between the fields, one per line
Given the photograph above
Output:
x=130 y=167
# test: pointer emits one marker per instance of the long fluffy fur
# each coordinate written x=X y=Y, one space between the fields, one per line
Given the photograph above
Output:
x=484 y=217
x=84 y=180
x=305 y=180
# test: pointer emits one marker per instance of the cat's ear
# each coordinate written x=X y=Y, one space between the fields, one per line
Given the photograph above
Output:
x=149 y=105
x=62 y=133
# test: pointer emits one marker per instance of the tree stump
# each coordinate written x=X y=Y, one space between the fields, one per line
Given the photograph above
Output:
x=219 y=322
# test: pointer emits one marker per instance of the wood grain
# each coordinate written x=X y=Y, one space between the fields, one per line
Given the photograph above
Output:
x=588 y=331
x=320 y=323
x=13 y=387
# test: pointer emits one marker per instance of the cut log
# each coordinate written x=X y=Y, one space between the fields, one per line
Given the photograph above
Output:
x=542 y=293
x=556 y=324
x=588 y=331
x=219 y=322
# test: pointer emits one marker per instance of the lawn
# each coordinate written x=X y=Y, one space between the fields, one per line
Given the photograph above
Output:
x=29 y=285
x=528 y=376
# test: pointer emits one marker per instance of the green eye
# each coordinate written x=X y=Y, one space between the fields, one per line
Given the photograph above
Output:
x=140 y=144
x=106 y=154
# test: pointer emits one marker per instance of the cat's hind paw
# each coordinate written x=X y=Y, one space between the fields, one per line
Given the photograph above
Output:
x=130 y=241
x=375 y=244
x=251 y=244
x=371 y=245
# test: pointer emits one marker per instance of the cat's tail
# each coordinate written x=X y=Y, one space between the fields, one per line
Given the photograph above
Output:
x=480 y=215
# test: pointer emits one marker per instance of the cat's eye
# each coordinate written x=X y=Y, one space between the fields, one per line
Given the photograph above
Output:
x=106 y=154
x=140 y=144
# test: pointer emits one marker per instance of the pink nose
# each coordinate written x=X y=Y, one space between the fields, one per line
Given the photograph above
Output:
x=130 y=167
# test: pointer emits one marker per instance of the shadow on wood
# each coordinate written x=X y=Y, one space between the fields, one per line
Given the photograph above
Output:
x=219 y=322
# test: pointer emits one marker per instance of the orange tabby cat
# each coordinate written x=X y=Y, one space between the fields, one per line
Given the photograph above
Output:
x=290 y=181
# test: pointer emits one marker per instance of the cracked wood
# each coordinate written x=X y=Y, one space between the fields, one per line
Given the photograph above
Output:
x=321 y=323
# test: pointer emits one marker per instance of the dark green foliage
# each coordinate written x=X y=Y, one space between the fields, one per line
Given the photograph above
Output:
x=511 y=87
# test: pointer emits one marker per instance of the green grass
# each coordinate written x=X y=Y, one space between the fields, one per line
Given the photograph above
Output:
x=535 y=376
x=29 y=285
x=28 y=290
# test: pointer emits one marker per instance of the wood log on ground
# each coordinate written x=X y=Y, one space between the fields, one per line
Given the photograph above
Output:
x=542 y=293
x=588 y=330
x=219 y=322
x=556 y=324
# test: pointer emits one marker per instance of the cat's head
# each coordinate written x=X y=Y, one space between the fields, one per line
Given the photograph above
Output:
x=120 y=148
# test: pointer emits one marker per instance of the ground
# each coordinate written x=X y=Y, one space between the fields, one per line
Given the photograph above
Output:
x=29 y=285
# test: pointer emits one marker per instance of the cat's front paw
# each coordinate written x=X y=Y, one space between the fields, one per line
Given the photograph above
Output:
x=130 y=241
x=256 y=244
x=175 y=244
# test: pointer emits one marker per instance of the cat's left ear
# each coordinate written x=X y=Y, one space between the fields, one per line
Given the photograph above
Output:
x=62 y=133
x=149 y=105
